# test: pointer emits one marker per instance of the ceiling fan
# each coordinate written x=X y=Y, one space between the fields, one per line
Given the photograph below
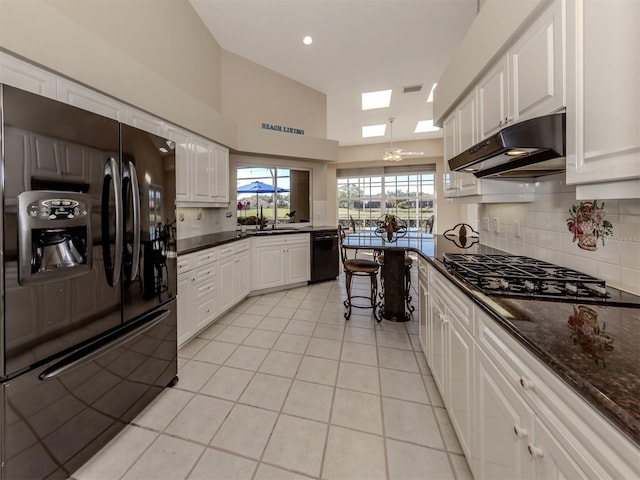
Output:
x=392 y=154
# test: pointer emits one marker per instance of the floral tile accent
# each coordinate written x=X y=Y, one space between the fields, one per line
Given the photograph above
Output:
x=587 y=223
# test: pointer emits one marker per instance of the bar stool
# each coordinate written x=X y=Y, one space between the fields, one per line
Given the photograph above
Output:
x=408 y=264
x=358 y=267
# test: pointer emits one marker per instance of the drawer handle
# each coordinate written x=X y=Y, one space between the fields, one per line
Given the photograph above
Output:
x=520 y=432
x=534 y=451
x=526 y=384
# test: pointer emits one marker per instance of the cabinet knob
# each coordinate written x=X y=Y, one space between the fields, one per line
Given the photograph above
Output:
x=526 y=384
x=520 y=432
x=534 y=451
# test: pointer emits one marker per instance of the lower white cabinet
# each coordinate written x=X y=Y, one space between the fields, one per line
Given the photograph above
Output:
x=514 y=417
x=280 y=260
x=233 y=266
x=197 y=292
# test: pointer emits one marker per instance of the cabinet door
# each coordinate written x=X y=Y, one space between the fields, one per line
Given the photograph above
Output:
x=226 y=289
x=603 y=124
x=449 y=133
x=437 y=311
x=537 y=64
x=143 y=121
x=203 y=163
x=423 y=308
x=184 y=164
x=552 y=462
x=268 y=267
x=206 y=303
x=467 y=122
x=504 y=426
x=90 y=100
x=45 y=157
x=27 y=77
x=243 y=275
x=186 y=317
x=298 y=263
x=221 y=174
x=460 y=378
x=493 y=100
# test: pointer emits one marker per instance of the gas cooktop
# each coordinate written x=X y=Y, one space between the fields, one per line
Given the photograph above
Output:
x=525 y=277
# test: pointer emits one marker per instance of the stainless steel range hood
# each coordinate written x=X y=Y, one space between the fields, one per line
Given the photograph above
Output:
x=532 y=148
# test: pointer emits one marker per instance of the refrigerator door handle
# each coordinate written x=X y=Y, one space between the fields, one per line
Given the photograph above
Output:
x=113 y=265
x=91 y=352
x=129 y=172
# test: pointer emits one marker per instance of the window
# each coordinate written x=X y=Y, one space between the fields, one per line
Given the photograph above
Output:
x=279 y=195
x=365 y=195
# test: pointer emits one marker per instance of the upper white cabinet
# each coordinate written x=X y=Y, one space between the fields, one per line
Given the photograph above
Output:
x=537 y=66
x=493 y=99
x=22 y=75
x=603 y=120
x=90 y=100
x=202 y=170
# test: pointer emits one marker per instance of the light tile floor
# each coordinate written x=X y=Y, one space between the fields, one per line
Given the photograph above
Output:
x=282 y=387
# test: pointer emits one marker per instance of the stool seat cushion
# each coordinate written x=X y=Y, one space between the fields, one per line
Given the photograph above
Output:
x=361 y=265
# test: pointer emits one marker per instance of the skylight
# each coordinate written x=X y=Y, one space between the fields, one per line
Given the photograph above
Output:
x=430 y=97
x=425 y=126
x=373 y=130
x=379 y=99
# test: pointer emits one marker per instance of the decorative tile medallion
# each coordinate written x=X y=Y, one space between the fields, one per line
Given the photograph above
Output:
x=588 y=225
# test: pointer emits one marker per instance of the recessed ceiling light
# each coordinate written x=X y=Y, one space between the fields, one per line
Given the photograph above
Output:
x=163 y=150
x=373 y=130
x=379 y=99
x=430 y=97
x=425 y=126
x=307 y=40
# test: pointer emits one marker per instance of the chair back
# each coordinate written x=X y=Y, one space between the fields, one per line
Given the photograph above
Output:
x=343 y=251
x=352 y=222
x=428 y=227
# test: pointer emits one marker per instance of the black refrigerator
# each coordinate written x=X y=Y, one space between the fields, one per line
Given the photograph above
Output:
x=88 y=280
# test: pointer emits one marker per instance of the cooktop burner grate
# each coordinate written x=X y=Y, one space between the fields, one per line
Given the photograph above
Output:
x=524 y=276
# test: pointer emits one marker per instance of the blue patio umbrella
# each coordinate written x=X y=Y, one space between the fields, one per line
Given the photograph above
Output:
x=258 y=187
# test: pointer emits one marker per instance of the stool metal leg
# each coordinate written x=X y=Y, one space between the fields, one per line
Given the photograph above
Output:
x=347 y=302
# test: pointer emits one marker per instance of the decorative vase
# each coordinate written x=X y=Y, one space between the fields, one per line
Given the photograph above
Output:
x=588 y=242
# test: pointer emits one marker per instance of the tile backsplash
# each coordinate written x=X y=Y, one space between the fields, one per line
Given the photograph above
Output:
x=544 y=233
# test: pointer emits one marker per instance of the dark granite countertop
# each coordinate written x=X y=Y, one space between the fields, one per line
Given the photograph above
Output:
x=193 y=244
x=602 y=365
x=594 y=348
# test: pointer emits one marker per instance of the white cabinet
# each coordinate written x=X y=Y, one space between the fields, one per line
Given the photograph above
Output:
x=537 y=62
x=280 y=260
x=27 y=77
x=513 y=416
x=202 y=170
x=197 y=292
x=603 y=79
x=90 y=100
x=183 y=162
x=142 y=120
x=451 y=354
x=233 y=267
x=504 y=426
x=494 y=106
x=424 y=323
x=220 y=192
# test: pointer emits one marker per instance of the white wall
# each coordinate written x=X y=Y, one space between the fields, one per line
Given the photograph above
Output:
x=545 y=234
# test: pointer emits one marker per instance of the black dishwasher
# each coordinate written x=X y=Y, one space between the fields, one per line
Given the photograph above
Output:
x=325 y=257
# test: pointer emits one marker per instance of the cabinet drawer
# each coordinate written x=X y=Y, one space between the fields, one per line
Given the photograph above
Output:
x=206 y=290
x=459 y=305
x=225 y=251
x=206 y=257
x=207 y=272
x=205 y=311
x=186 y=262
